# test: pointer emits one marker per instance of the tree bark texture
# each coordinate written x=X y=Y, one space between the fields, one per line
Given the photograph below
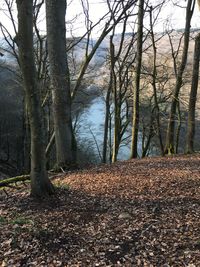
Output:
x=135 y=120
x=193 y=98
x=106 y=122
x=40 y=184
x=60 y=82
x=116 y=103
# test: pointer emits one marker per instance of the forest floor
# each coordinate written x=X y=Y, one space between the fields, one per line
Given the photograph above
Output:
x=133 y=213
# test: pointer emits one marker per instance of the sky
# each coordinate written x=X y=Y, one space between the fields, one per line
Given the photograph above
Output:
x=97 y=8
x=175 y=15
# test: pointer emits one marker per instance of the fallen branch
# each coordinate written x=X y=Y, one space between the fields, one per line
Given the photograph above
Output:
x=23 y=178
x=16 y=179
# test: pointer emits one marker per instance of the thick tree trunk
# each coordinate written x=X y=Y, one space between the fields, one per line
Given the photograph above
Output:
x=135 y=123
x=60 y=80
x=40 y=184
x=169 y=146
x=193 y=98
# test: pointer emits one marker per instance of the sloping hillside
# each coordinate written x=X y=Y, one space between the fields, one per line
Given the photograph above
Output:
x=133 y=213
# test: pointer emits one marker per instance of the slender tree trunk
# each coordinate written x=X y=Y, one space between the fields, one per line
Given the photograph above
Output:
x=178 y=128
x=169 y=146
x=106 y=123
x=110 y=138
x=154 y=76
x=40 y=184
x=136 y=90
x=193 y=98
x=116 y=123
x=116 y=140
x=60 y=79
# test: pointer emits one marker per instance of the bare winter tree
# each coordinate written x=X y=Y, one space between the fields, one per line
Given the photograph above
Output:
x=61 y=72
x=154 y=127
x=193 y=98
x=169 y=145
x=40 y=184
x=136 y=89
x=60 y=79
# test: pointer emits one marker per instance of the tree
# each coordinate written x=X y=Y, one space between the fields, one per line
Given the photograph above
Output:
x=136 y=90
x=169 y=145
x=156 y=109
x=122 y=59
x=193 y=98
x=60 y=80
x=55 y=14
x=40 y=184
x=107 y=117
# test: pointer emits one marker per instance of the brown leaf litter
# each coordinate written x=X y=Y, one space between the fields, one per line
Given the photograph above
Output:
x=133 y=213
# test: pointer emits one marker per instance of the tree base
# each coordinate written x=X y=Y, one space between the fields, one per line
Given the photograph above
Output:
x=42 y=190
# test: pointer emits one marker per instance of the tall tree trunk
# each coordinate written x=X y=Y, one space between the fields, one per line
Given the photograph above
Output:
x=169 y=146
x=135 y=123
x=116 y=140
x=60 y=80
x=106 y=122
x=193 y=98
x=116 y=120
x=40 y=184
x=156 y=110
